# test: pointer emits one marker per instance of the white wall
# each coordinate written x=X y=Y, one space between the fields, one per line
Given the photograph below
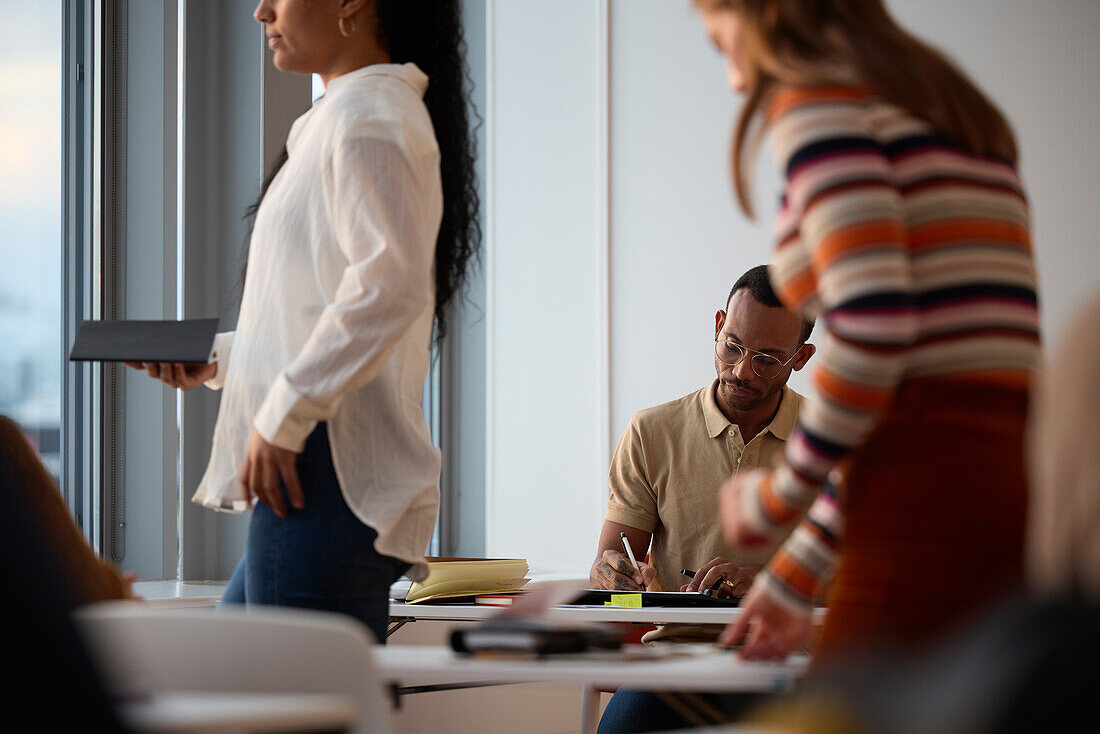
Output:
x=574 y=350
x=678 y=239
x=545 y=445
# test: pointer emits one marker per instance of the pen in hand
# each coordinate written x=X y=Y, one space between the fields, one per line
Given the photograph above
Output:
x=630 y=555
x=714 y=587
x=691 y=574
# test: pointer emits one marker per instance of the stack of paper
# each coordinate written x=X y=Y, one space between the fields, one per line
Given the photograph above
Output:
x=451 y=577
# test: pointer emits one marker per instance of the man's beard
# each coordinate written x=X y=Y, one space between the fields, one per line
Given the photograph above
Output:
x=745 y=402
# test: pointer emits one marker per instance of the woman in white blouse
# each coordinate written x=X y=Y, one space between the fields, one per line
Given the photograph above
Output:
x=361 y=236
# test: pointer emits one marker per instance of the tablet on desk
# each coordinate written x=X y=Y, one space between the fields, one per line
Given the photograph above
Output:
x=597 y=597
x=190 y=340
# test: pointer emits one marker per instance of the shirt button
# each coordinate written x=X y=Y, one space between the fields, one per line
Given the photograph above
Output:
x=731 y=433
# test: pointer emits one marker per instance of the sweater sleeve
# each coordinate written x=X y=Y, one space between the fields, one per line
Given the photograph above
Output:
x=842 y=257
x=798 y=572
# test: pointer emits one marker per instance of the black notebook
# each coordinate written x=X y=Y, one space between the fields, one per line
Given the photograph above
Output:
x=532 y=637
x=190 y=340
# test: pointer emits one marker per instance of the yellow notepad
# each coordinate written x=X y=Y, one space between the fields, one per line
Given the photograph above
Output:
x=450 y=577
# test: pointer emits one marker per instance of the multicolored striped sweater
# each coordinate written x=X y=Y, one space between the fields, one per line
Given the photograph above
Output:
x=917 y=257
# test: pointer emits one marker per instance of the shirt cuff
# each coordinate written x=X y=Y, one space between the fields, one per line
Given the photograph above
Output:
x=219 y=355
x=286 y=418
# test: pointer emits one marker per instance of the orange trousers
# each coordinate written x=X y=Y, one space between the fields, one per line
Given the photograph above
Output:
x=934 y=506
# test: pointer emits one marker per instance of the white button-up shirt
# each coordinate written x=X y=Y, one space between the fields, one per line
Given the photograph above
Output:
x=336 y=315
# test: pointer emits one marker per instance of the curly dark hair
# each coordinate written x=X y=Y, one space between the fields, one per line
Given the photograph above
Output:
x=429 y=34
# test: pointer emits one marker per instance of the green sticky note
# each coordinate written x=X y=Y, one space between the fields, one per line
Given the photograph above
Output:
x=626 y=600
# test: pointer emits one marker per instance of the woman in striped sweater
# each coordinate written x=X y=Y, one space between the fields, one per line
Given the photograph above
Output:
x=904 y=228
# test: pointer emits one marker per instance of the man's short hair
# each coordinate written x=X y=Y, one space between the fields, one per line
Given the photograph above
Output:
x=760 y=288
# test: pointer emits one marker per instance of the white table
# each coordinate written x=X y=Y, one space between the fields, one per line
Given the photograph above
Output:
x=716 y=671
x=179 y=594
x=239 y=712
x=402 y=613
x=410 y=666
x=647 y=615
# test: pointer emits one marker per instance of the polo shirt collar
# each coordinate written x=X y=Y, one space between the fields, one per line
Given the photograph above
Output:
x=782 y=424
x=717 y=422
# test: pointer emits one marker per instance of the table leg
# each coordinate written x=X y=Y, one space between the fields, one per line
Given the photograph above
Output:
x=590 y=710
x=396 y=624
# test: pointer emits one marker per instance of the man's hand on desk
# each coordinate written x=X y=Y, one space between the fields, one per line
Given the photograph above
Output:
x=738 y=575
x=613 y=571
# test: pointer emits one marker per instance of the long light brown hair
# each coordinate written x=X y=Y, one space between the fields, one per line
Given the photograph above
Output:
x=83 y=577
x=818 y=42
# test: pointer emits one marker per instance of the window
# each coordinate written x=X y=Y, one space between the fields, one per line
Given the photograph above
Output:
x=118 y=201
x=31 y=216
x=55 y=264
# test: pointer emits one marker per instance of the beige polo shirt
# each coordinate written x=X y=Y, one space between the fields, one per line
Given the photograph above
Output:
x=668 y=467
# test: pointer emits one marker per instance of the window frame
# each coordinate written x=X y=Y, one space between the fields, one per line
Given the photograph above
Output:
x=83 y=257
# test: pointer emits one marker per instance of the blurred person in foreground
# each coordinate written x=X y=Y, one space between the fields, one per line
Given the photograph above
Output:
x=85 y=577
x=1029 y=665
x=48 y=571
x=904 y=227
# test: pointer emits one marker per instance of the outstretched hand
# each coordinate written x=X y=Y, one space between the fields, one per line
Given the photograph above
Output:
x=766 y=629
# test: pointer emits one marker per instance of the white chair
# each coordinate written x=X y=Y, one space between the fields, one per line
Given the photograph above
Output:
x=142 y=649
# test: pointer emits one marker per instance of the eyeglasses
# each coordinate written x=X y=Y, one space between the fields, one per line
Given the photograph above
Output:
x=764 y=365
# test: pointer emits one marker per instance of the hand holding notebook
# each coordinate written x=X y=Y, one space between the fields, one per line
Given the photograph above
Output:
x=187 y=341
x=184 y=375
x=175 y=352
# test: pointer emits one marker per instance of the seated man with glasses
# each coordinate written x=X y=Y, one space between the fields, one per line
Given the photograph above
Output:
x=672 y=458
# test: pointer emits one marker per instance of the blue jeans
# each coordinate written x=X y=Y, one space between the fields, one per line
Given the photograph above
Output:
x=319 y=557
x=631 y=711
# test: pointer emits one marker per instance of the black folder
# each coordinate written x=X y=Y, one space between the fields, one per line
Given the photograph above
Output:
x=533 y=637
x=190 y=340
x=674 y=599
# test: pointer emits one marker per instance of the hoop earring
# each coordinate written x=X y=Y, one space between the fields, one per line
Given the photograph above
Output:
x=346 y=32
